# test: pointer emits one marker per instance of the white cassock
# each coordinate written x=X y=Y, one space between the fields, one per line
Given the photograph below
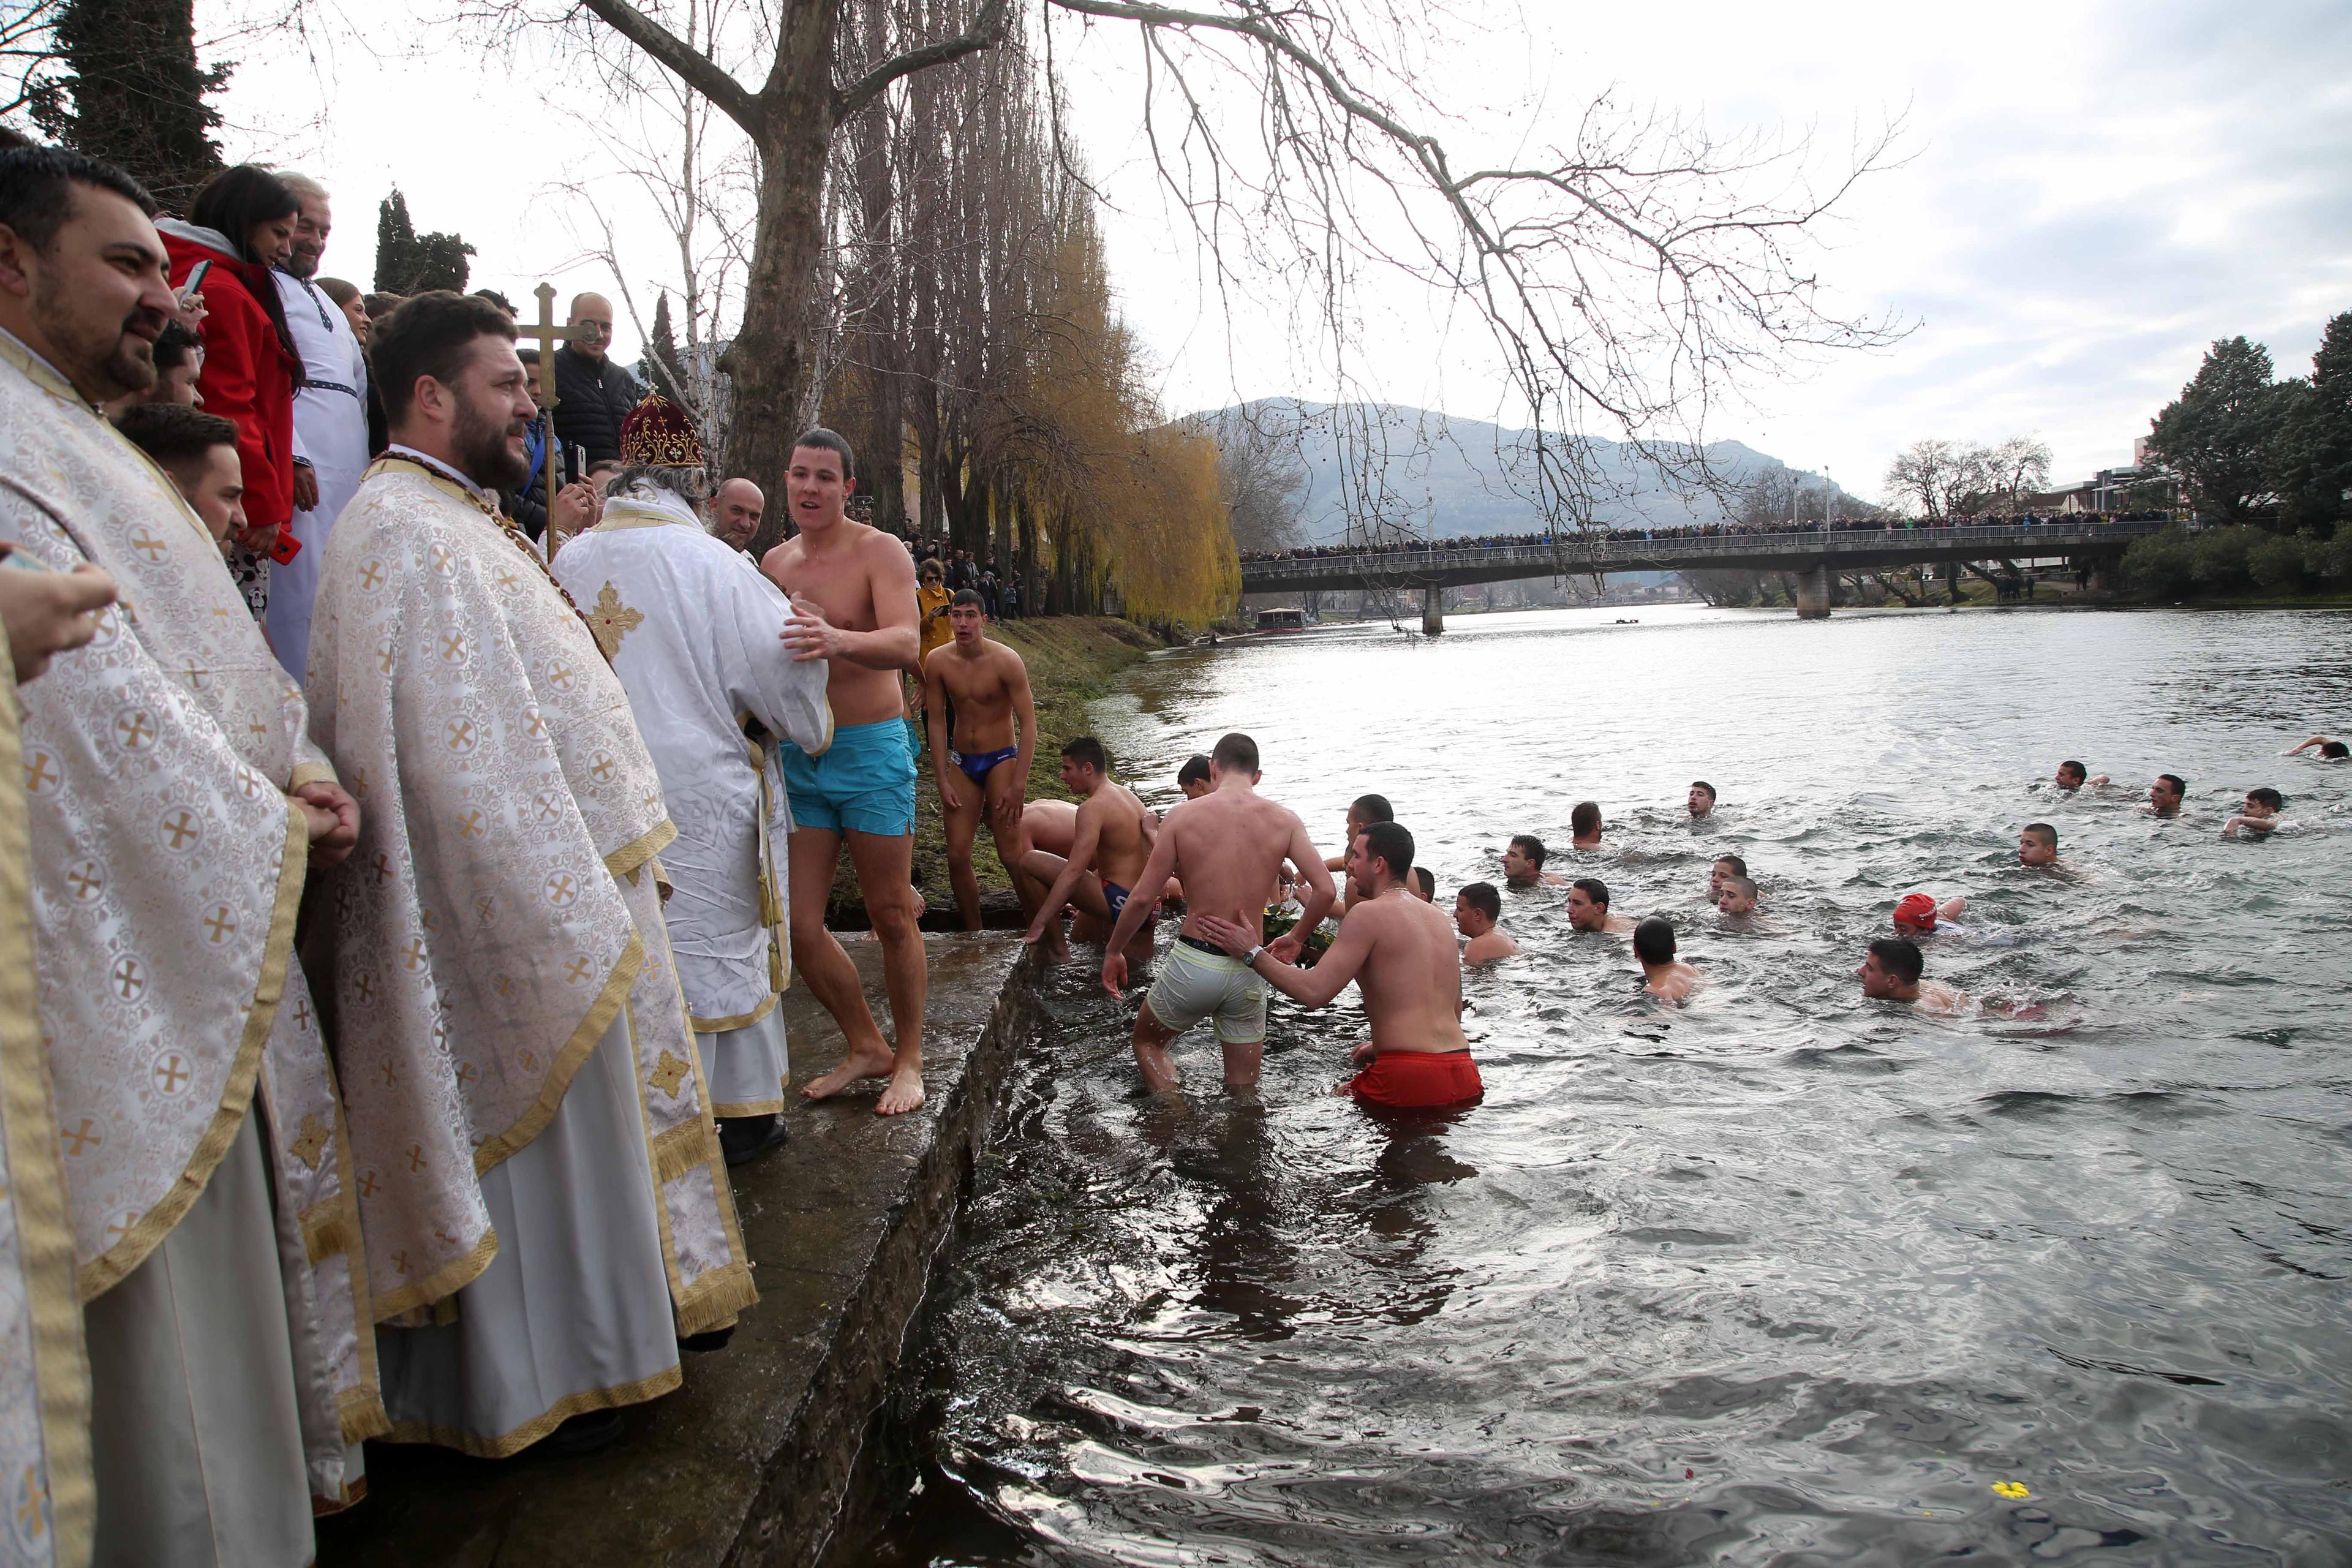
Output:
x=529 y=1121
x=331 y=431
x=694 y=632
x=225 y=1298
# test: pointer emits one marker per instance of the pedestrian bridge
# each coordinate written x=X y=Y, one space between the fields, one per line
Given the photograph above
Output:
x=1809 y=555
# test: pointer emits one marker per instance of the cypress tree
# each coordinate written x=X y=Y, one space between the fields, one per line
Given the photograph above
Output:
x=132 y=93
x=662 y=364
x=407 y=262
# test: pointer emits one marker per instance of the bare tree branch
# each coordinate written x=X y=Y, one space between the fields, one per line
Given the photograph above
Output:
x=691 y=66
x=987 y=31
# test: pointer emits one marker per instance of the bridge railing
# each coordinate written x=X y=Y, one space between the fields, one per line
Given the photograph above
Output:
x=1632 y=550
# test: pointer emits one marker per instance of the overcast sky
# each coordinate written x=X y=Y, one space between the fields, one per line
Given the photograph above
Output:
x=2093 y=193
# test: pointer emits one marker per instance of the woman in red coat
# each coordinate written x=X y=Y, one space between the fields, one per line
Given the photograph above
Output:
x=240 y=225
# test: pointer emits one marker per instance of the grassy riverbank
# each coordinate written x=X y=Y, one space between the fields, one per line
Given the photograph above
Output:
x=1072 y=661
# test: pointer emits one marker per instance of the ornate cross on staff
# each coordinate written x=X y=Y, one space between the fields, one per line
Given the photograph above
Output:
x=547 y=336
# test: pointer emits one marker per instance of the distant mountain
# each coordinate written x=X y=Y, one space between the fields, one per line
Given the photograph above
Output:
x=1433 y=475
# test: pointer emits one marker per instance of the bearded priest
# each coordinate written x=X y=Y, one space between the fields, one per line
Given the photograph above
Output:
x=696 y=633
x=174 y=802
x=539 y=1181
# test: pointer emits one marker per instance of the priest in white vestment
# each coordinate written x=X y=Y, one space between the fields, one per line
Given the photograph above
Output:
x=331 y=425
x=174 y=804
x=540 y=1185
x=695 y=633
x=45 y=1482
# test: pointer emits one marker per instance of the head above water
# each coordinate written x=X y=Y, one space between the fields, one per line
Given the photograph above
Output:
x=1192 y=778
x=2071 y=774
x=1654 y=941
x=1915 y=912
x=1424 y=886
x=1380 y=856
x=1233 y=754
x=1588 y=903
x=2264 y=802
x=2037 y=845
x=1477 y=908
x=1584 y=821
x=2335 y=751
x=1892 y=969
x=1523 y=860
x=2166 y=793
x=1702 y=798
x=1737 y=897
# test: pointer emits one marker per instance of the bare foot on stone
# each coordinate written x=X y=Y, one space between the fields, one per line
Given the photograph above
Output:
x=905 y=1092
x=875 y=1061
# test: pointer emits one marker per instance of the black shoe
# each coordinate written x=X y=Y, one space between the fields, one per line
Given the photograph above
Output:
x=743 y=1139
x=582 y=1436
x=704 y=1344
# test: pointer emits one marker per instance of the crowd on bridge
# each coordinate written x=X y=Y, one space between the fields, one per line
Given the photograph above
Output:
x=1694 y=530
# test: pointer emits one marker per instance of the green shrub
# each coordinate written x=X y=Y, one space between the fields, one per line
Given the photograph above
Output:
x=2163 y=564
x=2284 y=564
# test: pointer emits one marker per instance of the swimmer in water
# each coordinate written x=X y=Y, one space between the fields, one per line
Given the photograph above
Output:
x=2072 y=776
x=1737 y=898
x=1701 y=799
x=1399 y=953
x=1917 y=914
x=1228 y=846
x=1893 y=971
x=1423 y=885
x=2037 y=845
x=1588 y=907
x=1107 y=855
x=1476 y=909
x=1192 y=778
x=2329 y=750
x=1725 y=868
x=1523 y=862
x=1664 y=975
x=2261 y=817
x=1584 y=826
x=2165 y=795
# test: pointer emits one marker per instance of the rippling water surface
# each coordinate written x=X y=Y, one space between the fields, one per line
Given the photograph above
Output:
x=1785 y=1276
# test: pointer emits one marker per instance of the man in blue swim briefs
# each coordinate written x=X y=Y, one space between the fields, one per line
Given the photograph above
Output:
x=853 y=593
x=985 y=765
x=1107 y=854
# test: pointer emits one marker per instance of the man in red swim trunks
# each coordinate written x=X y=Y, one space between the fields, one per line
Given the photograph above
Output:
x=1401 y=952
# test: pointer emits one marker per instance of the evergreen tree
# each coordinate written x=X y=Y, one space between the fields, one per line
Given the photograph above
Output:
x=2309 y=457
x=664 y=369
x=2216 y=433
x=132 y=93
x=407 y=262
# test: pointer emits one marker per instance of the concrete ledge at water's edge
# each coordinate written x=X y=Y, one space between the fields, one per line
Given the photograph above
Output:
x=748 y=1463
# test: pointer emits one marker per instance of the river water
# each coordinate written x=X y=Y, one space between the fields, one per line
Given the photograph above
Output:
x=1786 y=1275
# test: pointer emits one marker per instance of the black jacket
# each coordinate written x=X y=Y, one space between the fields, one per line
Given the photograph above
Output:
x=592 y=399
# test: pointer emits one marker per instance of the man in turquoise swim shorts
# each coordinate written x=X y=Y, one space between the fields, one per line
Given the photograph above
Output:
x=853 y=593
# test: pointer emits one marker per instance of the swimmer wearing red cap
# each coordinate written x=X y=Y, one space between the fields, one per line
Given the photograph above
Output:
x=1399 y=953
x=1917 y=914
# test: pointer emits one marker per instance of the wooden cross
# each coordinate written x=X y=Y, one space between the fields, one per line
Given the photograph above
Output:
x=547 y=336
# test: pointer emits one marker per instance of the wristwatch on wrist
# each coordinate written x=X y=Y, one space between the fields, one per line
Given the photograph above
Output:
x=1250 y=961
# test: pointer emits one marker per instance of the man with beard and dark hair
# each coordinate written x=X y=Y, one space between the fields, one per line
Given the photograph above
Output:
x=513 y=1041
x=173 y=806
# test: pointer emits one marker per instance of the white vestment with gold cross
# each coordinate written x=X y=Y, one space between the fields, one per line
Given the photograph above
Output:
x=168 y=867
x=47 y=1502
x=694 y=631
x=500 y=974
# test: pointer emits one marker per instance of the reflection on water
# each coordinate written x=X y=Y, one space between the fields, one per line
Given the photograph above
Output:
x=1784 y=1275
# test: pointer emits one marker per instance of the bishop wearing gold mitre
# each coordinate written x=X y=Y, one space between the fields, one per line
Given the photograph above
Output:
x=539 y=1180
x=174 y=804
